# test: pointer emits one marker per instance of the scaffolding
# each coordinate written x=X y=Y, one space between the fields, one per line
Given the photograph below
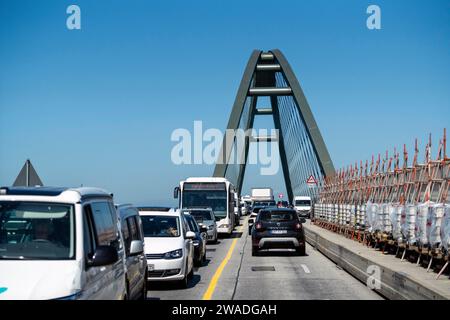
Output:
x=399 y=208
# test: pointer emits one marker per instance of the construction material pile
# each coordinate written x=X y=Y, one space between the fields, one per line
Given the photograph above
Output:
x=398 y=208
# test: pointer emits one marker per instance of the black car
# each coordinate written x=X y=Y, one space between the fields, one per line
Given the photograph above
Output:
x=252 y=218
x=278 y=228
x=199 y=241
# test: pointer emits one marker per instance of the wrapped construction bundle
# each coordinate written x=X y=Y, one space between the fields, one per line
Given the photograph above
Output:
x=348 y=213
x=386 y=225
x=318 y=208
x=322 y=213
x=409 y=224
x=330 y=209
x=362 y=220
x=434 y=224
x=424 y=214
x=378 y=218
x=445 y=229
x=352 y=215
x=371 y=216
x=334 y=217
x=341 y=214
x=396 y=211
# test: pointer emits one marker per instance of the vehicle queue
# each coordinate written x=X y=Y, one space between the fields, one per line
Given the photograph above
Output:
x=75 y=243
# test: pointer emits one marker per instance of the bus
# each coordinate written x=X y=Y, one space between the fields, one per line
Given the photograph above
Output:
x=215 y=193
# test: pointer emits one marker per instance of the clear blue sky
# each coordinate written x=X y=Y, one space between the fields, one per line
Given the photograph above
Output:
x=97 y=106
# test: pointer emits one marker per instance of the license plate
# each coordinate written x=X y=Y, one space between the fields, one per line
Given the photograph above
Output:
x=151 y=267
x=279 y=231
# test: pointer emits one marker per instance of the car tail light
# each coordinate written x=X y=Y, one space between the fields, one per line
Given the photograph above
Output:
x=258 y=226
x=298 y=226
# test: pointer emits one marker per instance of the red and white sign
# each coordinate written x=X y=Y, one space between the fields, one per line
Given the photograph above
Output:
x=280 y=196
x=311 y=182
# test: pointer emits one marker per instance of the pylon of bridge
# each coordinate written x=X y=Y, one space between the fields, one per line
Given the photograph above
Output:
x=303 y=152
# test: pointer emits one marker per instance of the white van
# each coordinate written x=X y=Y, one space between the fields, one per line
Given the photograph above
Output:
x=302 y=205
x=60 y=243
x=169 y=248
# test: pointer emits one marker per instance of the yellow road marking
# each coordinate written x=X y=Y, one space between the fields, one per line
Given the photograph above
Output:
x=212 y=285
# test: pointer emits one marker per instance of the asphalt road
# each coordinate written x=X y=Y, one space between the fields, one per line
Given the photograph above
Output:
x=232 y=273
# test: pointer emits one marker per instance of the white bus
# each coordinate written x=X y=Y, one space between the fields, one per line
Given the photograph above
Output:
x=215 y=193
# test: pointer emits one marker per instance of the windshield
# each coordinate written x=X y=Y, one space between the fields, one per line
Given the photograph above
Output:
x=277 y=216
x=160 y=226
x=192 y=224
x=211 y=195
x=302 y=202
x=36 y=230
x=200 y=215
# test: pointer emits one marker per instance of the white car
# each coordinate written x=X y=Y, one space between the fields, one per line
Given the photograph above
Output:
x=169 y=247
x=60 y=243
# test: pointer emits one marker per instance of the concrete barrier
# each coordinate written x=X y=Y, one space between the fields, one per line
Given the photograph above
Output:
x=399 y=279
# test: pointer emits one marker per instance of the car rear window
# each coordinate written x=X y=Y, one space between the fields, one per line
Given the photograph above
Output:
x=277 y=216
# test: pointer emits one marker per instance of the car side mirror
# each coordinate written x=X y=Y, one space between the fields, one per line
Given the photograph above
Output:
x=203 y=229
x=103 y=256
x=190 y=235
x=176 y=190
x=136 y=247
x=302 y=220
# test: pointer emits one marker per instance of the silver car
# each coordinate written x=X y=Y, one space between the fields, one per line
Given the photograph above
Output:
x=205 y=217
x=135 y=262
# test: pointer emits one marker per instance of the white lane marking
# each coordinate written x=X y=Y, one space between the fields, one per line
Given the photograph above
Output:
x=305 y=268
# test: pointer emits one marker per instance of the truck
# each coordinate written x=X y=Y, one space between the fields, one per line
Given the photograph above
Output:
x=303 y=206
x=262 y=194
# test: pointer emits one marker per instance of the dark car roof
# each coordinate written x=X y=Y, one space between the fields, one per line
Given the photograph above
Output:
x=123 y=213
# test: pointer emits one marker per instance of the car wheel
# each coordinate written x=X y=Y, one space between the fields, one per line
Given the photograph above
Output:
x=127 y=290
x=204 y=257
x=300 y=251
x=184 y=283
x=254 y=251
x=144 y=289
x=191 y=274
x=198 y=263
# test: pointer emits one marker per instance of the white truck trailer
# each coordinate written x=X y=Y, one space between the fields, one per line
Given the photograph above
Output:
x=262 y=194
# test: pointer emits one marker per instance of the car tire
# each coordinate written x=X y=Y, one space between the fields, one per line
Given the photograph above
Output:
x=301 y=251
x=144 y=290
x=254 y=251
x=191 y=274
x=198 y=263
x=184 y=282
x=127 y=291
x=204 y=257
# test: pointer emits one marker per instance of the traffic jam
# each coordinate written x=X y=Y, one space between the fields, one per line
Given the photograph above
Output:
x=77 y=243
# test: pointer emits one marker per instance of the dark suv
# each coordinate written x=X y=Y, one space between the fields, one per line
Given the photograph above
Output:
x=278 y=228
